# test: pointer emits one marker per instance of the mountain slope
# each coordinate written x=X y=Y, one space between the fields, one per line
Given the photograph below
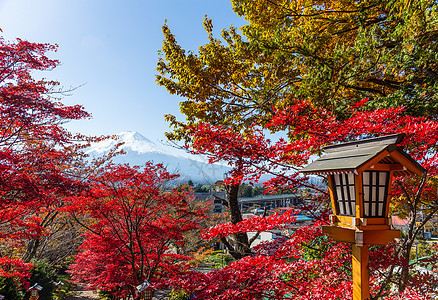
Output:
x=140 y=149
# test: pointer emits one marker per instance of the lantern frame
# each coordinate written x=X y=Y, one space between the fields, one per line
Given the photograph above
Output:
x=361 y=206
x=34 y=291
x=59 y=285
x=145 y=290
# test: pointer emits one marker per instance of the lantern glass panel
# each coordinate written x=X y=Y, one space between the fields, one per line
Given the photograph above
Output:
x=148 y=294
x=375 y=193
x=344 y=192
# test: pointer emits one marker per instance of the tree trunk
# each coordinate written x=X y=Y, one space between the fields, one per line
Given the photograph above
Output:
x=31 y=250
x=404 y=274
x=239 y=245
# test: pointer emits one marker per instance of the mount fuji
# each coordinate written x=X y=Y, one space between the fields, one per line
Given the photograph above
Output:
x=140 y=149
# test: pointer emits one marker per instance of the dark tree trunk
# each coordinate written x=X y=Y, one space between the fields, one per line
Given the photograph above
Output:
x=404 y=274
x=31 y=250
x=239 y=244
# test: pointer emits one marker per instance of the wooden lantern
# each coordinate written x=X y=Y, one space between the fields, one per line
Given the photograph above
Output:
x=145 y=290
x=359 y=176
x=34 y=291
x=59 y=288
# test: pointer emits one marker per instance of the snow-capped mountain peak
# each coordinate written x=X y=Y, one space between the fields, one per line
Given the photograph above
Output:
x=133 y=135
x=140 y=149
x=132 y=141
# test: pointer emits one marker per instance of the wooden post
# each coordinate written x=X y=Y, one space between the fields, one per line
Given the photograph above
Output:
x=361 y=285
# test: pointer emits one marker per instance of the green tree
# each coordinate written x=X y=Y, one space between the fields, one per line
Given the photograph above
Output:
x=10 y=288
x=199 y=188
x=332 y=53
x=327 y=54
x=246 y=190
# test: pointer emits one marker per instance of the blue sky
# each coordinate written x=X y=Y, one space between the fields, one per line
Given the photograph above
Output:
x=110 y=48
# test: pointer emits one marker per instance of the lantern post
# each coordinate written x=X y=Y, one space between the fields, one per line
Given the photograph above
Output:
x=59 y=288
x=359 y=176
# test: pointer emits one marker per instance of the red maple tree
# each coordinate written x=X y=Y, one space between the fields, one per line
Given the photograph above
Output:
x=37 y=155
x=135 y=225
x=288 y=269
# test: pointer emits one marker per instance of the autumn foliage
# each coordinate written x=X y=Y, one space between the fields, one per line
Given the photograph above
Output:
x=135 y=224
x=315 y=73
x=287 y=266
x=36 y=153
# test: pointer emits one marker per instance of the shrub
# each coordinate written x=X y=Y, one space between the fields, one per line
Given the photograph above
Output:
x=44 y=275
x=10 y=288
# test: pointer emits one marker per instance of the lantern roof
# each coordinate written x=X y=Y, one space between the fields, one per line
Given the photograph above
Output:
x=356 y=155
x=144 y=286
x=36 y=286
